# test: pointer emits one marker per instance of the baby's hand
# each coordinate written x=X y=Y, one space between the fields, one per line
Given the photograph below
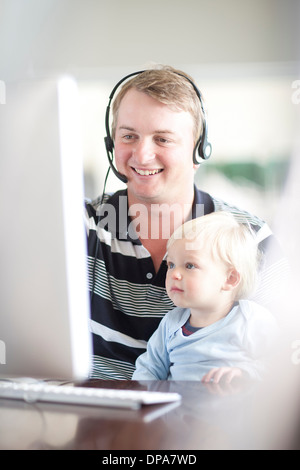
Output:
x=215 y=375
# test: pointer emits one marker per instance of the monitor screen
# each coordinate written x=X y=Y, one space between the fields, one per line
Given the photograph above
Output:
x=44 y=315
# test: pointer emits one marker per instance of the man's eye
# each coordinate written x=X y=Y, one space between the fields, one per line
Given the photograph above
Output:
x=162 y=140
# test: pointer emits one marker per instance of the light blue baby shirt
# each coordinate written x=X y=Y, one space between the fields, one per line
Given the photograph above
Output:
x=241 y=339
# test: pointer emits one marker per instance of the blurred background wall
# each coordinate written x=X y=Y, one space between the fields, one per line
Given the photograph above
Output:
x=243 y=55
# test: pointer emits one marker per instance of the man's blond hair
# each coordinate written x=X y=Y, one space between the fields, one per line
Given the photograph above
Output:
x=168 y=86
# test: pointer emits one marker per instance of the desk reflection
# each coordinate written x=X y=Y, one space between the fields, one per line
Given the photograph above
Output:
x=208 y=417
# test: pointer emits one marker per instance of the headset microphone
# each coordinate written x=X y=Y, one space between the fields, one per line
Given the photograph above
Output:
x=202 y=148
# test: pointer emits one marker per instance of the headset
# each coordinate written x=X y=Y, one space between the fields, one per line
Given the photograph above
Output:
x=202 y=150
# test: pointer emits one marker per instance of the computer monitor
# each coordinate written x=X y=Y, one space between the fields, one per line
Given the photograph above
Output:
x=44 y=313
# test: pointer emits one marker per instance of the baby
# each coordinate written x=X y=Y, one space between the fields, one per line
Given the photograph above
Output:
x=214 y=331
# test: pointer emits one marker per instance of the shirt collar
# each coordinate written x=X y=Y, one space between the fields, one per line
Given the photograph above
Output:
x=121 y=227
x=202 y=204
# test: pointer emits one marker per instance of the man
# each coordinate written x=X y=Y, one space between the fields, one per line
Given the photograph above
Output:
x=158 y=126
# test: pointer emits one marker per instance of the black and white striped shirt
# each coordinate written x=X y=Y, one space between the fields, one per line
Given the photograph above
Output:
x=128 y=297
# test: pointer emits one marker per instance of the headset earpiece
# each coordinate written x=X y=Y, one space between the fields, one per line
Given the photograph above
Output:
x=109 y=144
x=108 y=141
x=202 y=150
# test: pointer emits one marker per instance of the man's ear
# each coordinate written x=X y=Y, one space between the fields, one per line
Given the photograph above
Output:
x=233 y=279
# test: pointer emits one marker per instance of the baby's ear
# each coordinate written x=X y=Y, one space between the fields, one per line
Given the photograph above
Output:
x=233 y=279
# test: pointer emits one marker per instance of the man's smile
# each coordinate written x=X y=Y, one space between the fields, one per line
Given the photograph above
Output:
x=147 y=172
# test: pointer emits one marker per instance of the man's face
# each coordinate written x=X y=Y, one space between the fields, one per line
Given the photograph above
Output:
x=153 y=149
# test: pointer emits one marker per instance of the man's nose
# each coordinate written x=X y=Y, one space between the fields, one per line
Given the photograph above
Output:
x=143 y=151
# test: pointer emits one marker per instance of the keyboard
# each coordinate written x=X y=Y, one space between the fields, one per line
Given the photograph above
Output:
x=77 y=395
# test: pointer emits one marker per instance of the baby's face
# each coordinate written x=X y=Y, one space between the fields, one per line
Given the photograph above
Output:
x=194 y=278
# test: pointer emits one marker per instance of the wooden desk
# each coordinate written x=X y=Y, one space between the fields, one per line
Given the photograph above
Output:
x=211 y=418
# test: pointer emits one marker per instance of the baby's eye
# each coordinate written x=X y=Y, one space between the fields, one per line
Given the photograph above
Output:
x=189 y=266
x=171 y=265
